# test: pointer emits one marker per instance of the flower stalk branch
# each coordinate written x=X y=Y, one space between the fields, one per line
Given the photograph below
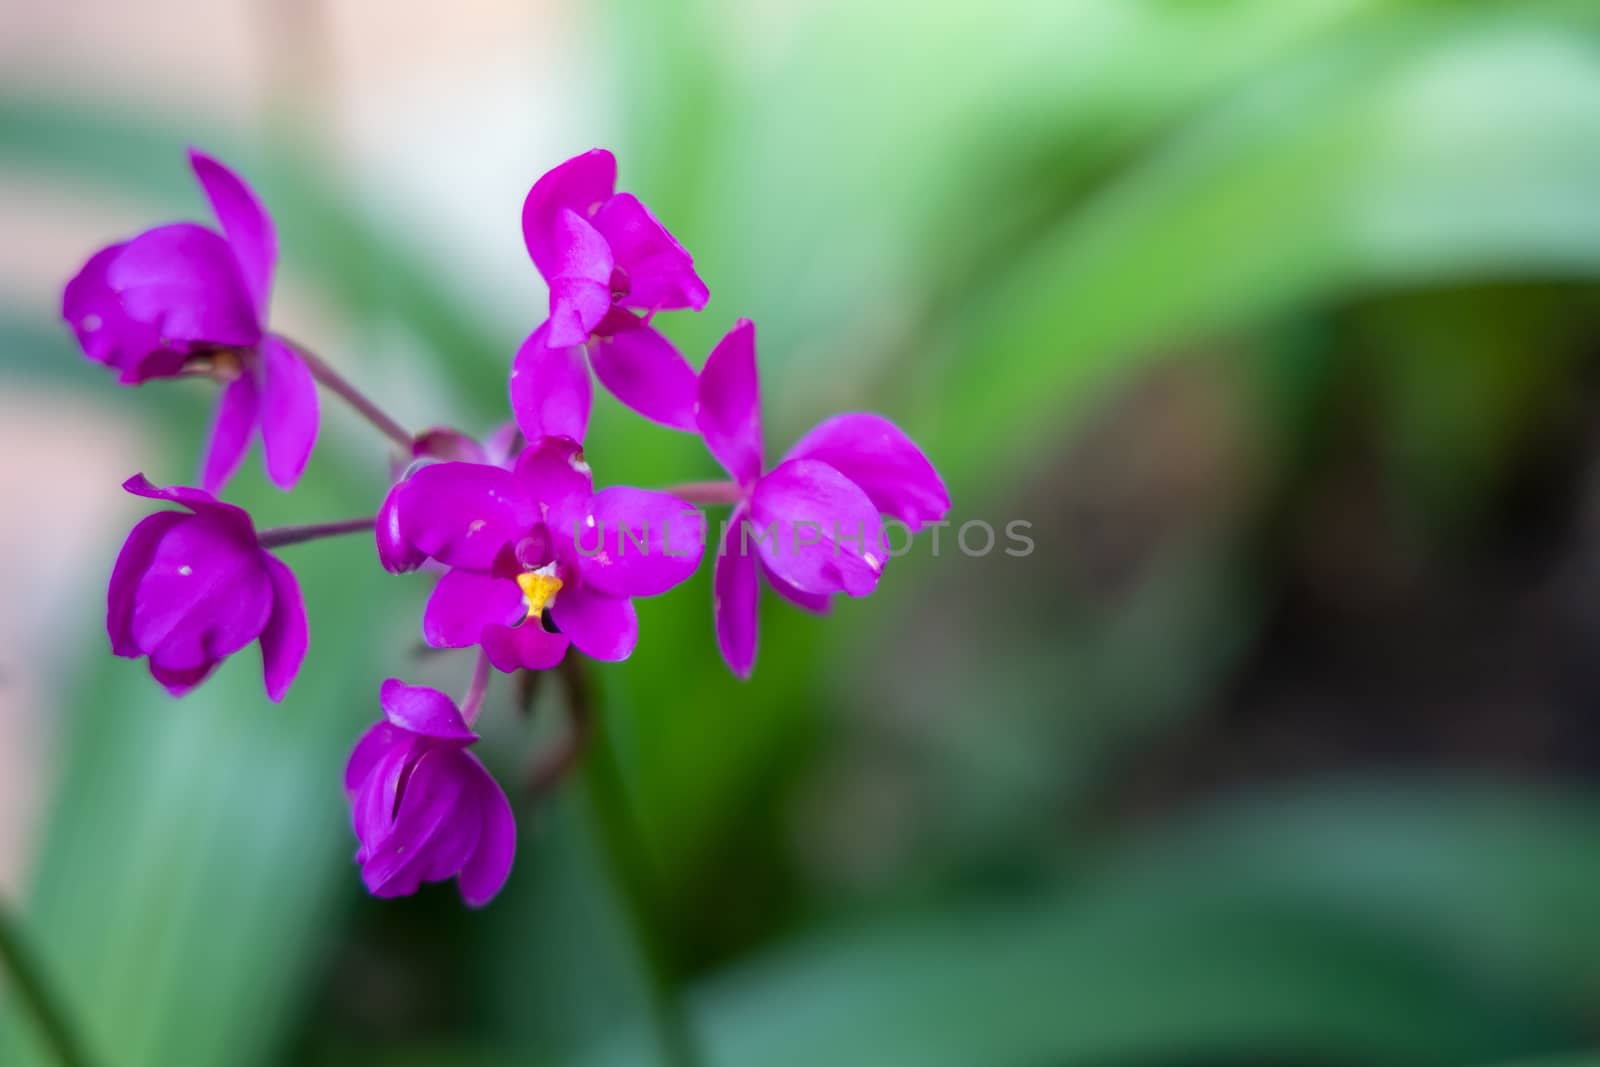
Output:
x=364 y=406
x=279 y=536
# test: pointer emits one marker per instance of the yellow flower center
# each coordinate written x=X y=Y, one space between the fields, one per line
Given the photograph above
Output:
x=538 y=589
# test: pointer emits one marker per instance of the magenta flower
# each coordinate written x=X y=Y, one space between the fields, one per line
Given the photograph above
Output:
x=536 y=544
x=423 y=807
x=183 y=296
x=814 y=519
x=602 y=253
x=191 y=589
x=396 y=554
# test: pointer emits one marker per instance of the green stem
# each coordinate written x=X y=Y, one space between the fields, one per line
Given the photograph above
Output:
x=32 y=989
x=623 y=847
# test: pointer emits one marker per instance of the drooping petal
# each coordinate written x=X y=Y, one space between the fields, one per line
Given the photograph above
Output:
x=527 y=647
x=423 y=711
x=602 y=627
x=660 y=273
x=644 y=370
x=134 y=559
x=364 y=758
x=231 y=430
x=550 y=389
x=728 y=406
x=196 y=500
x=203 y=597
x=463 y=514
x=486 y=872
x=244 y=222
x=580 y=290
x=105 y=330
x=288 y=412
x=429 y=839
x=179 y=680
x=463 y=603
x=812 y=602
x=184 y=280
x=285 y=639
x=581 y=184
x=820 y=532
x=735 y=591
x=639 y=542
x=395 y=553
x=877 y=455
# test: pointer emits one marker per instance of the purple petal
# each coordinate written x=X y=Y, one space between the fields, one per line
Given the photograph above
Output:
x=728 y=408
x=132 y=562
x=637 y=542
x=376 y=743
x=812 y=602
x=735 y=591
x=555 y=475
x=526 y=647
x=580 y=290
x=643 y=370
x=288 y=412
x=877 y=455
x=550 y=390
x=246 y=224
x=601 y=626
x=423 y=711
x=463 y=603
x=285 y=639
x=204 y=596
x=820 y=532
x=463 y=514
x=660 y=274
x=196 y=500
x=107 y=333
x=486 y=872
x=395 y=553
x=231 y=430
x=179 y=680
x=434 y=831
x=581 y=184
x=184 y=280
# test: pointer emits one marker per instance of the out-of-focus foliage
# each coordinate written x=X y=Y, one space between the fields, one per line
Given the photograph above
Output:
x=1150 y=275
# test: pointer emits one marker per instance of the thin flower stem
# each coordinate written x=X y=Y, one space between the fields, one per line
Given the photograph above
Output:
x=337 y=383
x=31 y=988
x=706 y=492
x=472 y=703
x=623 y=847
x=279 y=536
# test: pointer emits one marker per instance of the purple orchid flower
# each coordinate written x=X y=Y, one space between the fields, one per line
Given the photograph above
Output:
x=183 y=296
x=191 y=589
x=603 y=253
x=440 y=443
x=537 y=541
x=424 y=809
x=817 y=514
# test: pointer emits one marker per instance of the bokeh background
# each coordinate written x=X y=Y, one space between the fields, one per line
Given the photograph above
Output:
x=1277 y=319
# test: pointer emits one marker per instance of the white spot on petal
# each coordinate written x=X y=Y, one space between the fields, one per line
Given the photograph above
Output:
x=91 y=323
x=186 y=570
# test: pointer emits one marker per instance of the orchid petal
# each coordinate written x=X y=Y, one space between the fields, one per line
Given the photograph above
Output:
x=464 y=603
x=580 y=290
x=184 y=280
x=728 y=407
x=285 y=639
x=231 y=430
x=735 y=590
x=581 y=184
x=660 y=273
x=821 y=533
x=550 y=389
x=602 y=627
x=637 y=542
x=422 y=710
x=463 y=514
x=877 y=455
x=486 y=871
x=246 y=224
x=288 y=412
x=132 y=562
x=642 y=369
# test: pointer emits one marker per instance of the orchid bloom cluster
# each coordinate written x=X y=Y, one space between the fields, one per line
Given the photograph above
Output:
x=534 y=564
